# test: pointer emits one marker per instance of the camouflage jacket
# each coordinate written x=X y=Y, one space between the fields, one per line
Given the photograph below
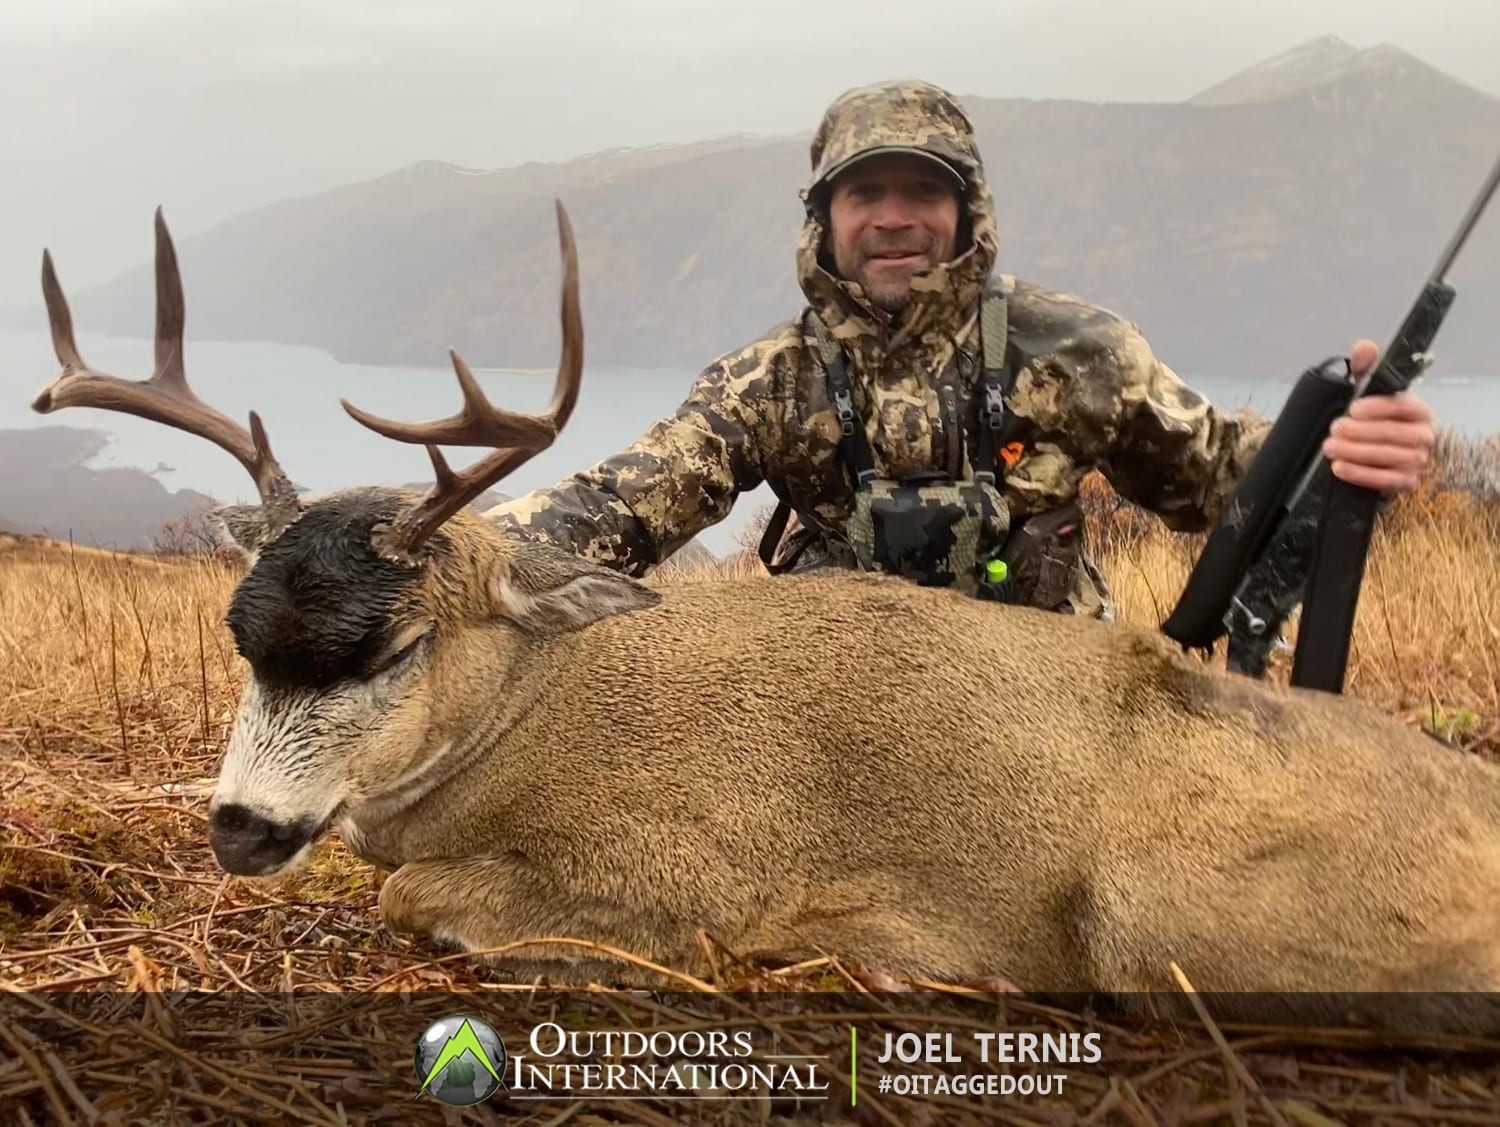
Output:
x=1087 y=389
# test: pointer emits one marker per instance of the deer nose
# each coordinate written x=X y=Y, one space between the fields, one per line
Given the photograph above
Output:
x=249 y=845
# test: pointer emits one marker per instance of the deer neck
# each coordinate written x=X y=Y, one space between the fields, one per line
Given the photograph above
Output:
x=479 y=690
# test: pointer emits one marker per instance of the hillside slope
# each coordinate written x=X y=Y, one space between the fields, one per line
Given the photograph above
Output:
x=1250 y=231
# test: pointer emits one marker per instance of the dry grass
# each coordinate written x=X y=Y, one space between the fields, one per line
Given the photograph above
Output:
x=1426 y=640
x=118 y=684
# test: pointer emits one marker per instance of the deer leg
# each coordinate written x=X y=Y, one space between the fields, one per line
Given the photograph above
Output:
x=1266 y=954
x=481 y=903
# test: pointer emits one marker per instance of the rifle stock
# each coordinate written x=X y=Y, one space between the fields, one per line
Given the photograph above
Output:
x=1330 y=523
x=1292 y=530
x=1337 y=567
x=1273 y=585
x=1253 y=529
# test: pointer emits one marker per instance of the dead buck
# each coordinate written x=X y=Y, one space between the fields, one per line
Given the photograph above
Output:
x=536 y=746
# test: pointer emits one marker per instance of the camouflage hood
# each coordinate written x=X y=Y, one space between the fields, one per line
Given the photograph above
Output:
x=905 y=115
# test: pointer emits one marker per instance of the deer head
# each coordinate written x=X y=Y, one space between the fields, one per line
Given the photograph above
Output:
x=363 y=609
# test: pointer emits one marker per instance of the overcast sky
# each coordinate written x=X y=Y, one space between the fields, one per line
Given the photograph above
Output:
x=209 y=107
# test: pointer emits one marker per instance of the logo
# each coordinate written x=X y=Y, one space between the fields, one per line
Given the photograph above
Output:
x=460 y=1060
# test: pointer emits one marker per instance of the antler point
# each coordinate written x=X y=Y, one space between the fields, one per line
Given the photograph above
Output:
x=355 y=413
x=442 y=472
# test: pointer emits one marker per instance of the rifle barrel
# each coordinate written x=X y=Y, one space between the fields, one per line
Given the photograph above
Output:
x=1455 y=244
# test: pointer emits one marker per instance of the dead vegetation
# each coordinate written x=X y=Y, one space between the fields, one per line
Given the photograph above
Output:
x=1427 y=636
x=118 y=684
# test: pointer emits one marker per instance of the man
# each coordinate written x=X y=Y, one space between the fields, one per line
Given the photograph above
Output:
x=894 y=258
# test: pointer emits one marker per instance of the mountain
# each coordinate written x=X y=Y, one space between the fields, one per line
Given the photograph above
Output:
x=47 y=486
x=1326 y=68
x=1251 y=230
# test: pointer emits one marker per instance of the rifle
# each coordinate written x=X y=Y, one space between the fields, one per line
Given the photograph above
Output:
x=1292 y=528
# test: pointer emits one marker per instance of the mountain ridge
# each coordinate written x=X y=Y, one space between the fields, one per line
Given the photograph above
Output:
x=1318 y=65
x=1250 y=229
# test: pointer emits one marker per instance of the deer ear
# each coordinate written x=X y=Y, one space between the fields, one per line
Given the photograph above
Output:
x=547 y=590
x=241 y=527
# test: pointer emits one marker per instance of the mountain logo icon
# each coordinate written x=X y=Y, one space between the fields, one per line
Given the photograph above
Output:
x=460 y=1060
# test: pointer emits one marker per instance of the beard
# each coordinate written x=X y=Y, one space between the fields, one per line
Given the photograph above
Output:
x=889 y=288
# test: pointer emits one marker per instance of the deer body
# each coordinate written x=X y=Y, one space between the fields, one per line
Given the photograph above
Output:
x=541 y=748
x=941 y=787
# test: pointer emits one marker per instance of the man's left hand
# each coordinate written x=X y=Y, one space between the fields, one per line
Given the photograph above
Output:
x=1385 y=442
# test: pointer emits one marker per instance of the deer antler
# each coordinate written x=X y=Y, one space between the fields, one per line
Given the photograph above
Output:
x=480 y=423
x=165 y=396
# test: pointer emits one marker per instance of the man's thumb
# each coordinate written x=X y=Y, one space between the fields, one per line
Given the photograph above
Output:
x=1362 y=356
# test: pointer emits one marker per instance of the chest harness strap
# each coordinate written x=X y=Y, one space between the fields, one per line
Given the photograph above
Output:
x=988 y=400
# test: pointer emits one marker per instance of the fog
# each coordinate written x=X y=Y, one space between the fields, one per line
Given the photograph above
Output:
x=210 y=107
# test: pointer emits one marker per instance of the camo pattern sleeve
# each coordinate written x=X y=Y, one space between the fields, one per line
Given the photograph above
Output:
x=633 y=510
x=1175 y=453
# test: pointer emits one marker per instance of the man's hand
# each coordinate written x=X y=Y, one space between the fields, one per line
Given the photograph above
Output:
x=1385 y=442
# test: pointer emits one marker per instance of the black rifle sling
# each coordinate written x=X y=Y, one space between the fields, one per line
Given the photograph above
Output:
x=852 y=441
x=770 y=539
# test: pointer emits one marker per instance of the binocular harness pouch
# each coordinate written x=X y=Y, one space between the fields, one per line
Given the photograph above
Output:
x=929 y=528
x=936 y=533
x=939 y=532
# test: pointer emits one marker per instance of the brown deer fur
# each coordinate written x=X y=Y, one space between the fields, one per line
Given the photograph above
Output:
x=903 y=776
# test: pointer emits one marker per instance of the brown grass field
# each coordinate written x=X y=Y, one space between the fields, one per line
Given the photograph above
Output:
x=118 y=685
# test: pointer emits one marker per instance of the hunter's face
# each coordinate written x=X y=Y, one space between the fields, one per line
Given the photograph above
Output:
x=892 y=217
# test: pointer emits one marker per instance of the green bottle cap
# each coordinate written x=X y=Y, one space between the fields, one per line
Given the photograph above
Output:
x=996 y=571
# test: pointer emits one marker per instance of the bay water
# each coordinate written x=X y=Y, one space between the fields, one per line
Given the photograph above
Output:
x=297 y=390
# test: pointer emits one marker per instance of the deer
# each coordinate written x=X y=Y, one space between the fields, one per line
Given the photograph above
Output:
x=532 y=748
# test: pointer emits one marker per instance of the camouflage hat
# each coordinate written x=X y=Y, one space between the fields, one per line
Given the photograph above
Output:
x=906 y=116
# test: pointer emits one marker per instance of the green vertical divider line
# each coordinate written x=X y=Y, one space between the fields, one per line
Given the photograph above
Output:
x=853 y=1067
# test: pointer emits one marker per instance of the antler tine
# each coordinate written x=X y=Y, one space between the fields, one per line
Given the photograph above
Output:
x=60 y=321
x=171 y=313
x=165 y=396
x=518 y=437
x=479 y=423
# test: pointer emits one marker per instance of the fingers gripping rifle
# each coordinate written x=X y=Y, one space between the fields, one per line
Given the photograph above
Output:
x=1292 y=532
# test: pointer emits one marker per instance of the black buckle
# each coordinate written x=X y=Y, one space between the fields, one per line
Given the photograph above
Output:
x=994 y=407
x=844 y=403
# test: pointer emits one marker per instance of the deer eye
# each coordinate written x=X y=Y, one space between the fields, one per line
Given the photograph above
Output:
x=398 y=657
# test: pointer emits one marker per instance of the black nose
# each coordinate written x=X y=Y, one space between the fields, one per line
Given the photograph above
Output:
x=248 y=845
